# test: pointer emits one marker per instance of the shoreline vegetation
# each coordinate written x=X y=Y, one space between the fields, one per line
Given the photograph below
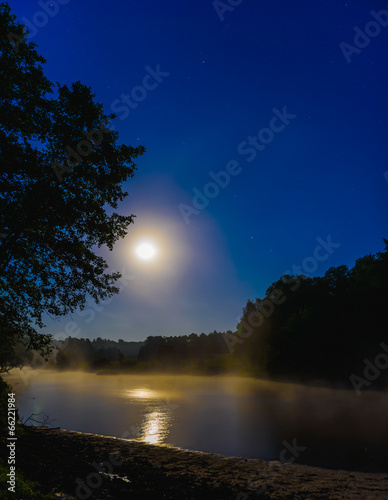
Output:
x=99 y=467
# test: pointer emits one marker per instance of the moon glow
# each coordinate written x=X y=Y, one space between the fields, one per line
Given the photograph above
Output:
x=146 y=251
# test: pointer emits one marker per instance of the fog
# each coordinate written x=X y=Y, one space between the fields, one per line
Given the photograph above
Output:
x=234 y=416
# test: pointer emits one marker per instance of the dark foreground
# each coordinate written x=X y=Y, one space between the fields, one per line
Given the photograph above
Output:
x=69 y=463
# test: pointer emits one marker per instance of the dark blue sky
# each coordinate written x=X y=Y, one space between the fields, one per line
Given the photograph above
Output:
x=218 y=81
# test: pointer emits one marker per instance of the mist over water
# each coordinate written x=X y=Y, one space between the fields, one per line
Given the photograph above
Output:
x=233 y=416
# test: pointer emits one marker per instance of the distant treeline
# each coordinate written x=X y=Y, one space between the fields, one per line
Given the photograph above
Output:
x=74 y=353
x=304 y=328
x=196 y=353
x=155 y=353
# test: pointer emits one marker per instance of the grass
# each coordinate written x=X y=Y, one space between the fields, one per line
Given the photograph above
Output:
x=24 y=489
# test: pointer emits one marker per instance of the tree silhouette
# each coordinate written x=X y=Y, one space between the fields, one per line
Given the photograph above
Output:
x=62 y=173
x=325 y=326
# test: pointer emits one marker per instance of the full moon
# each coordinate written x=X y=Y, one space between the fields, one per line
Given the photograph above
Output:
x=145 y=251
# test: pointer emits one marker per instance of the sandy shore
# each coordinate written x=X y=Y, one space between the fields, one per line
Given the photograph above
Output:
x=69 y=462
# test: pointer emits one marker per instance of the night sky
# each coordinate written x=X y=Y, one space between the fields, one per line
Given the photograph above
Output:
x=262 y=89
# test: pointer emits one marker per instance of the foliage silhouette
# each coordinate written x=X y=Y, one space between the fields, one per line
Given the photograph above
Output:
x=324 y=328
x=62 y=175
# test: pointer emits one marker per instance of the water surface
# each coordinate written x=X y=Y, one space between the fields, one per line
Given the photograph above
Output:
x=234 y=416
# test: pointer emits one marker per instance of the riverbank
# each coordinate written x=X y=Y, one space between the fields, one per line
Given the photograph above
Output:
x=70 y=462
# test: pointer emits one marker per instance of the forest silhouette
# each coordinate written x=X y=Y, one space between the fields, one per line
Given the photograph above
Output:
x=305 y=329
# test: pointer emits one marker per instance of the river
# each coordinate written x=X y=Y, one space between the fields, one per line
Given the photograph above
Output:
x=233 y=416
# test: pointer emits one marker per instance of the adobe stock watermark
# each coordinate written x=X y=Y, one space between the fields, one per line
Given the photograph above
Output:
x=73 y=328
x=362 y=38
x=153 y=78
x=267 y=306
x=94 y=137
x=222 y=8
x=105 y=469
x=40 y=19
x=93 y=481
x=371 y=370
x=249 y=148
x=84 y=148
x=261 y=479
